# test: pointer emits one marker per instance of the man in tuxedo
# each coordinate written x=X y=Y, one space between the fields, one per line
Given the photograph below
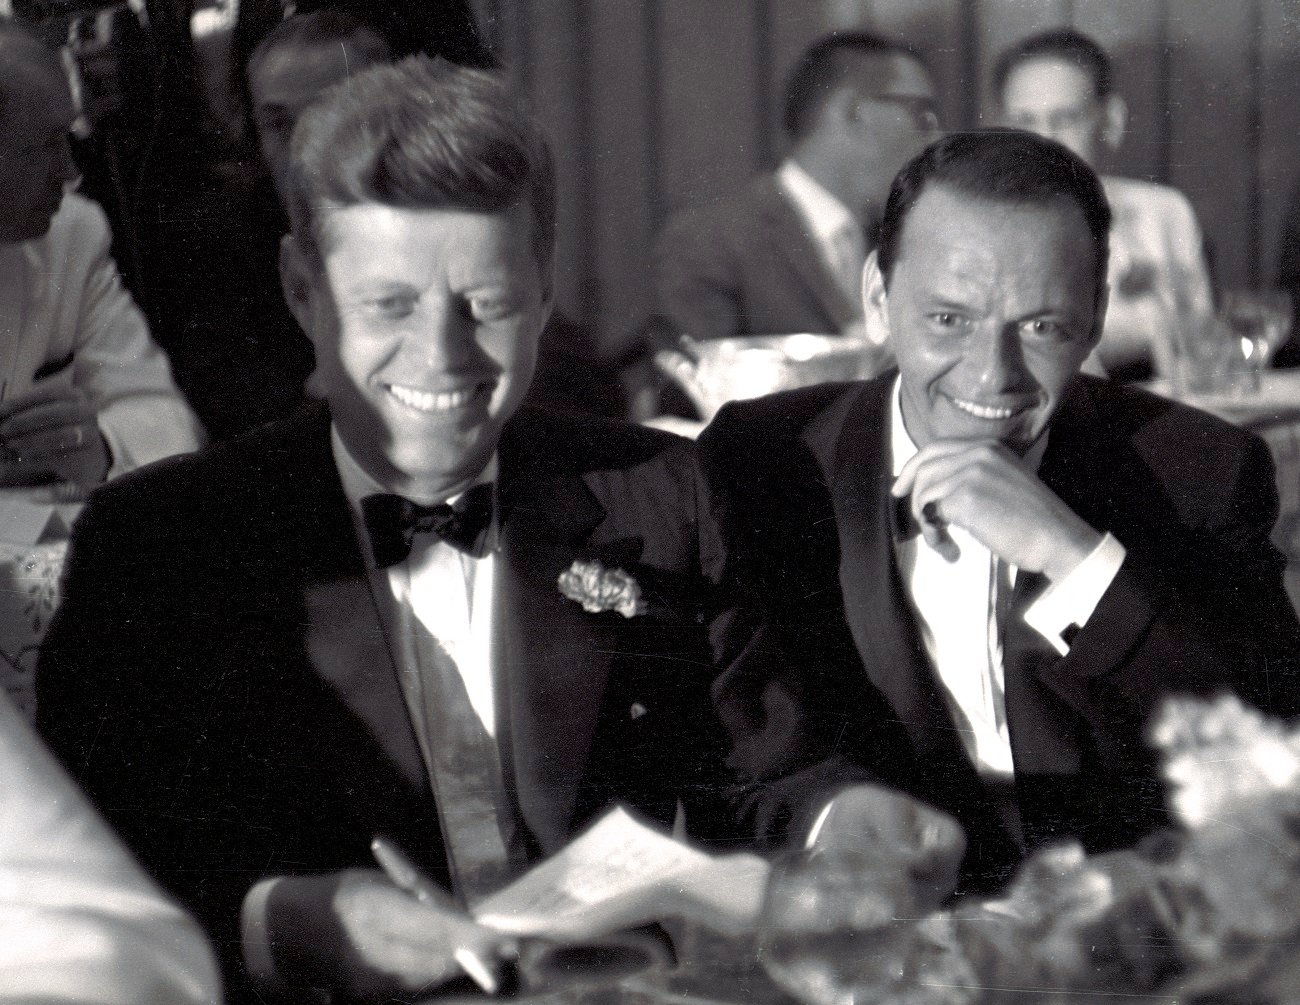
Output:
x=785 y=254
x=348 y=623
x=991 y=567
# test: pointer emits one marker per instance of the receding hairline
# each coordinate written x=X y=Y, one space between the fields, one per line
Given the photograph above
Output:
x=1064 y=45
x=993 y=201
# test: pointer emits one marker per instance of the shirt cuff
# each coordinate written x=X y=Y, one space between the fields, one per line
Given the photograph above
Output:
x=1065 y=607
x=255 y=933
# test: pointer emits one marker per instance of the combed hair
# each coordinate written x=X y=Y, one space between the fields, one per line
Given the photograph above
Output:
x=420 y=134
x=1064 y=44
x=824 y=66
x=21 y=51
x=321 y=28
x=997 y=165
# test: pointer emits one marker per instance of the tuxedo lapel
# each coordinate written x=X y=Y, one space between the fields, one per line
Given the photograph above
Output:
x=350 y=651
x=554 y=657
x=13 y=313
x=1088 y=467
x=849 y=440
x=789 y=235
x=347 y=644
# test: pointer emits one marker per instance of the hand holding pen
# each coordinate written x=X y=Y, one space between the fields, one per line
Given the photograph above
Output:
x=359 y=934
x=405 y=876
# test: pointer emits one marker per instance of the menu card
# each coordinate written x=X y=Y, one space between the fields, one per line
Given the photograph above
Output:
x=622 y=873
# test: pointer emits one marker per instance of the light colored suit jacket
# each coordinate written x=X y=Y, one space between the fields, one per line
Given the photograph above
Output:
x=79 y=920
x=61 y=298
x=1159 y=284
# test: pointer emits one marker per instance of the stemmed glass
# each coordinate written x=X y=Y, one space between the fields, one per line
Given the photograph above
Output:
x=1261 y=319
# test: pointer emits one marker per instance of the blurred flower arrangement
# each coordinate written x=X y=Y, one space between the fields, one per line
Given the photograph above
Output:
x=1207 y=914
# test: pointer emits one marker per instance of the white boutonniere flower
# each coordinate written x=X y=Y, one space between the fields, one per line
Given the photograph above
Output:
x=599 y=589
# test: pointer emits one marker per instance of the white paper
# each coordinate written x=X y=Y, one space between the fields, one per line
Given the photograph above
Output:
x=621 y=873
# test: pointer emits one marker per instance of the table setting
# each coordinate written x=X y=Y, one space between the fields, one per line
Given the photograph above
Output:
x=1205 y=912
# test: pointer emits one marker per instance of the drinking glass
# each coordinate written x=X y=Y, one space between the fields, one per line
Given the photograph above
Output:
x=837 y=927
x=1209 y=359
x=1261 y=320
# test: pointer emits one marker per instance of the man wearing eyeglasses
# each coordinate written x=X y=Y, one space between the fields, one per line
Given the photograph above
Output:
x=786 y=253
x=1060 y=84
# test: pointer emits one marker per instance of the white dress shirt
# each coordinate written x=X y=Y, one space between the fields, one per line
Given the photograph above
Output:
x=450 y=593
x=1159 y=282
x=832 y=227
x=956 y=606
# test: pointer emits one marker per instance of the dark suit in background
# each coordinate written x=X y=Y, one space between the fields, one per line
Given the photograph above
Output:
x=218 y=680
x=800 y=483
x=746 y=266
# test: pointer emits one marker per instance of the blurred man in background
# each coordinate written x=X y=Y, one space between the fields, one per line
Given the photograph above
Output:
x=785 y=254
x=1060 y=84
x=84 y=392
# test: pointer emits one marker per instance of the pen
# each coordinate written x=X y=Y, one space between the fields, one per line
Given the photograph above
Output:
x=405 y=876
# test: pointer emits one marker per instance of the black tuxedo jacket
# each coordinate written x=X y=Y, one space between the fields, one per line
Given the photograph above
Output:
x=218 y=681
x=746 y=266
x=798 y=485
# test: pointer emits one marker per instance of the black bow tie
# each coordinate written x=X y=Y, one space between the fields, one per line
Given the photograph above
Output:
x=392 y=521
x=904 y=526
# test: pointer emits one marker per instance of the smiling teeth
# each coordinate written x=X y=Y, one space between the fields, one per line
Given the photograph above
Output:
x=983 y=411
x=431 y=401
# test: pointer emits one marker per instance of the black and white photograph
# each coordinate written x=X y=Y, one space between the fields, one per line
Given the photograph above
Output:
x=649 y=502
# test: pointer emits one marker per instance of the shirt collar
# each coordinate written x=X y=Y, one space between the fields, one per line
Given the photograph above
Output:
x=903 y=448
x=358 y=483
x=824 y=213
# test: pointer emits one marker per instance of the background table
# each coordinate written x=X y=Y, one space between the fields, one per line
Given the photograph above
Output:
x=1273 y=413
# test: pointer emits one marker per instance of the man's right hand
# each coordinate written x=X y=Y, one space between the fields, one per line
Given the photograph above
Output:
x=988 y=490
x=356 y=933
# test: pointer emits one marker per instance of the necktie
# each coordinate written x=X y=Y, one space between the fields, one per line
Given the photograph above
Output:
x=850 y=254
x=484 y=846
x=392 y=521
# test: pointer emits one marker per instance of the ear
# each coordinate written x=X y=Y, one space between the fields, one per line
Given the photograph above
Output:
x=875 y=302
x=1114 y=120
x=1099 y=315
x=297 y=276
